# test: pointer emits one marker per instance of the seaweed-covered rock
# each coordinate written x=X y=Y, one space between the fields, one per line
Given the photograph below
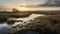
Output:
x=42 y=24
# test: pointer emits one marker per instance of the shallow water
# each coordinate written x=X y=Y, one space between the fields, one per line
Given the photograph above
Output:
x=3 y=29
x=3 y=26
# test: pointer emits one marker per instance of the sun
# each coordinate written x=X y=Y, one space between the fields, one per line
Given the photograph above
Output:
x=22 y=8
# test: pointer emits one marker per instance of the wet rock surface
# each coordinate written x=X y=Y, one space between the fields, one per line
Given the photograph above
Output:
x=42 y=25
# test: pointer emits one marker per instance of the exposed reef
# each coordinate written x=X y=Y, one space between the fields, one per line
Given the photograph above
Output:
x=42 y=24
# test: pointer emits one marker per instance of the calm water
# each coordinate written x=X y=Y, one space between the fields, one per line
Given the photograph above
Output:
x=3 y=26
x=3 y=29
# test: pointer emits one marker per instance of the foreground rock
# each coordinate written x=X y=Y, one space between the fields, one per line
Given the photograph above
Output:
x=42 y=24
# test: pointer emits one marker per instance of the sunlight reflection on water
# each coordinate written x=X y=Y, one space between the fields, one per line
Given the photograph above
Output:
x=31 y=17
x=3 y=25
x=27 y=19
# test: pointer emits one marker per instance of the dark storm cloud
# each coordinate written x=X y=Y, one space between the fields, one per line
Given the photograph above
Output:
x=55 y=3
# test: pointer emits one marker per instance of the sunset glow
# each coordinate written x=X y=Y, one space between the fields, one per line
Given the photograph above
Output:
x=22 y=8
x=26 y=8
x=25 y=5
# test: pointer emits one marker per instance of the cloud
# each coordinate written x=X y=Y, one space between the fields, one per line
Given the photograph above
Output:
x=55 y=3
x=24 y=0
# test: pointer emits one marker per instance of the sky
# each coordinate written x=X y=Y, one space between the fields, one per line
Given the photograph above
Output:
x=21 y=1
x=9 y=4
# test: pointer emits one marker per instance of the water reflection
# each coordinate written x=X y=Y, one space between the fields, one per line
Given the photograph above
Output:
x=25 y=20
x=2 y=25
x=3 y=28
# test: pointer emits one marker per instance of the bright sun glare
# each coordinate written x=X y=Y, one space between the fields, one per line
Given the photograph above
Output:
x=22 y=8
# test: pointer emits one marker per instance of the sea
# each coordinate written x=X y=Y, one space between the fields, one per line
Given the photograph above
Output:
x=4 y=25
